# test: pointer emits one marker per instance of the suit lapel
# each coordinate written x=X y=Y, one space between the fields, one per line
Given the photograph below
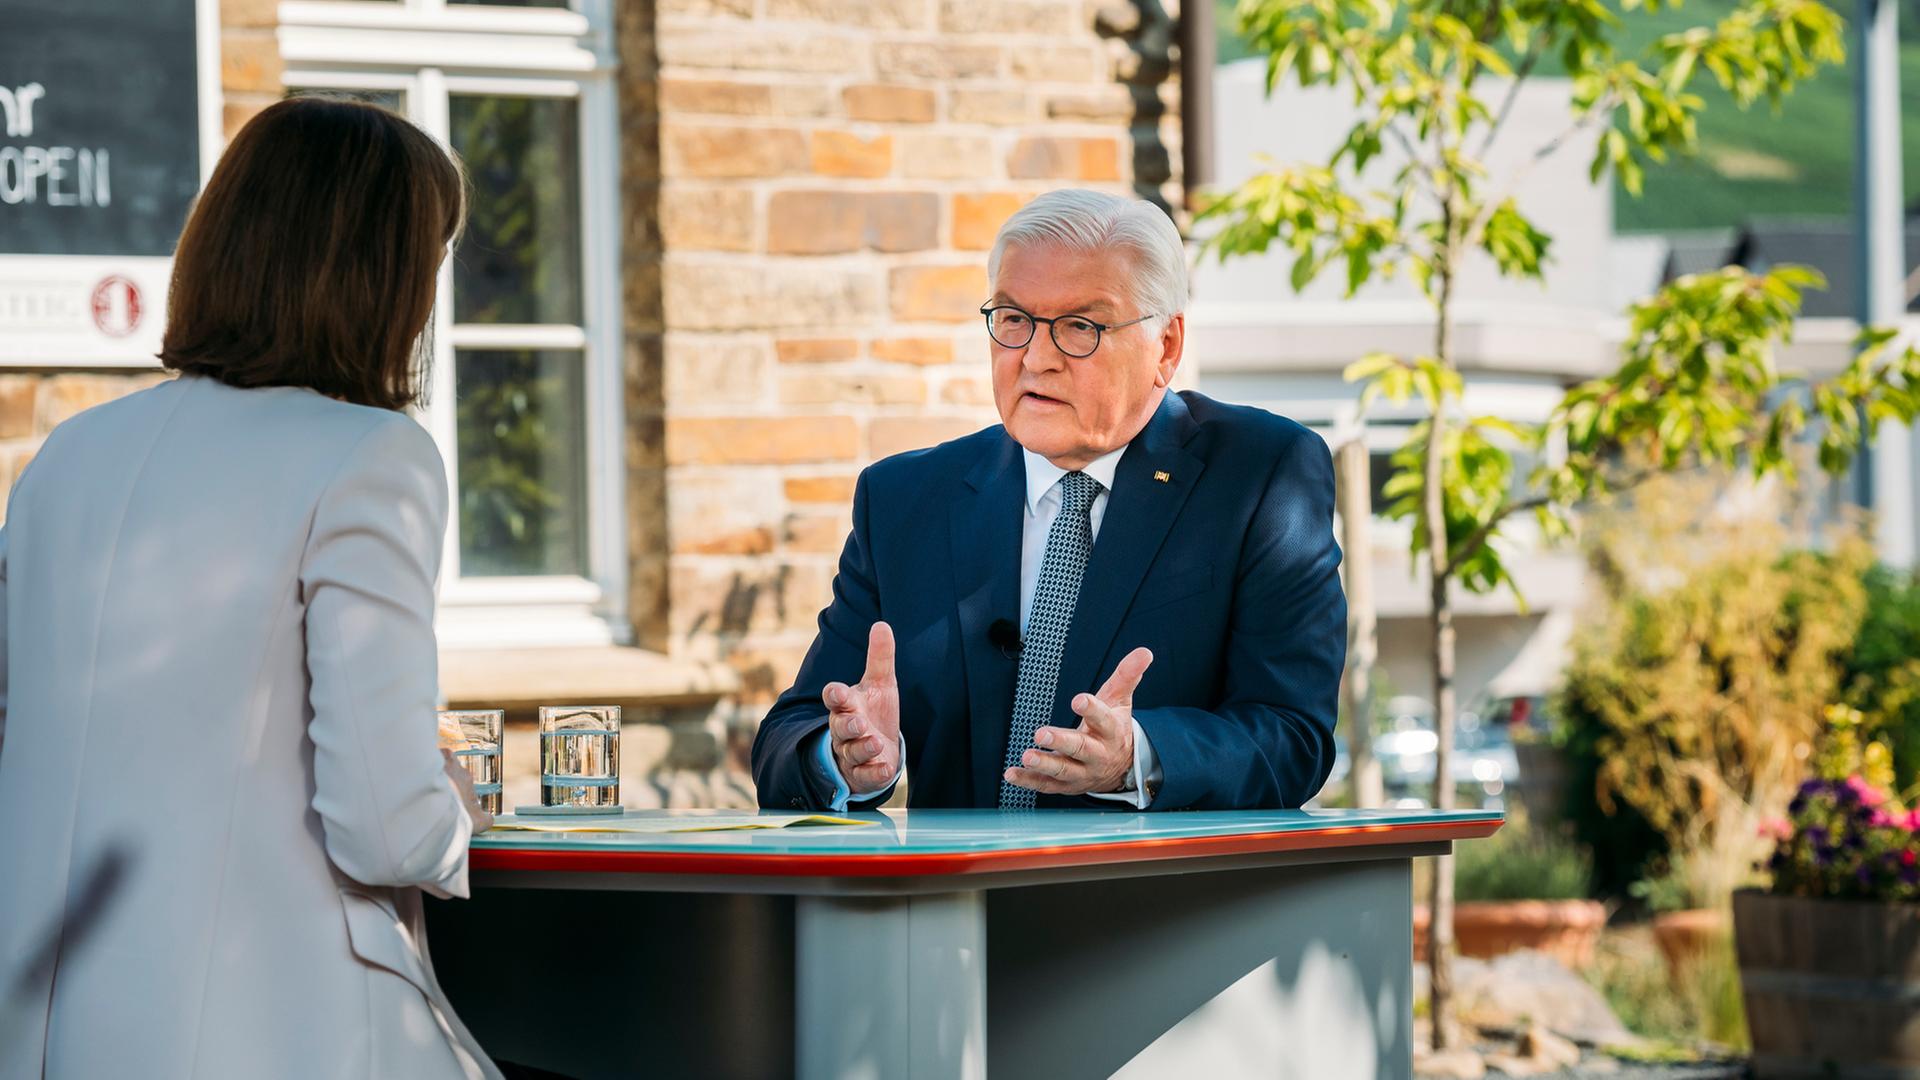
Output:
x=984 y=526
x=1152 y=483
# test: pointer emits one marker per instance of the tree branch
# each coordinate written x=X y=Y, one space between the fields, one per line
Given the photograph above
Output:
x=1603 y=109
x=1535 y=50
x=1478 y=538
x=1367 y=87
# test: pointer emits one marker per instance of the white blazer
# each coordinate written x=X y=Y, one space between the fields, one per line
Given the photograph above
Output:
x=220 y=792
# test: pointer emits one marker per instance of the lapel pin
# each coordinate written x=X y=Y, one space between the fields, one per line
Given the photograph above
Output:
x=1162 y=476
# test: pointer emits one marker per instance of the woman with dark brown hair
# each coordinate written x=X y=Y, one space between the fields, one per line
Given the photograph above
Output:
x=219 y=781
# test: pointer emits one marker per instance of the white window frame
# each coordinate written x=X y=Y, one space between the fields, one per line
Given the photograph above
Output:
x=428 y=50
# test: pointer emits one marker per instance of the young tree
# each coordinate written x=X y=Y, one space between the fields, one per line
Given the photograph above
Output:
x=1436 y=80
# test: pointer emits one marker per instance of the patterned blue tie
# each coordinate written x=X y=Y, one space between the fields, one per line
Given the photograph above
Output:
x=1069 y=543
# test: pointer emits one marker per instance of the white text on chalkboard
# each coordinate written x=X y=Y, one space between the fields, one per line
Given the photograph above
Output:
x=62 y=175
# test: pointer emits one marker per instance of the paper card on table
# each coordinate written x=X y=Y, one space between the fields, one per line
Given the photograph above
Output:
x=712 y=823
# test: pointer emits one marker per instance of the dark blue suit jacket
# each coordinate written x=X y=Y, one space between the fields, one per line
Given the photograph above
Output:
x=1227 y=570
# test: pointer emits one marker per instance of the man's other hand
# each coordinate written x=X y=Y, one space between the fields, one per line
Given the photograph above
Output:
x=865 y=720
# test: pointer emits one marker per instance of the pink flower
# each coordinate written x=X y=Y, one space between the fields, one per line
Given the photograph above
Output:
x=1913 y=819
x=1869 y=795
x=1908 y=858
x=1882 y=819
x=1776 y=829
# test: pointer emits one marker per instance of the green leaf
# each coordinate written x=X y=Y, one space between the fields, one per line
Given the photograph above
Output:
x=1369 y=366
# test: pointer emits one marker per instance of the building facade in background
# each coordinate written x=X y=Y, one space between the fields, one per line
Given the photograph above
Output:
x=721 y=254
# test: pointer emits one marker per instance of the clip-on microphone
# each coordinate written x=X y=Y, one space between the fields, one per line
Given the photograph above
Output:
x=1005 y=636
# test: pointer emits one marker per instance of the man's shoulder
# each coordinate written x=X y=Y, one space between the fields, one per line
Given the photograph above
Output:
x=950 y=460
x=1237 y=429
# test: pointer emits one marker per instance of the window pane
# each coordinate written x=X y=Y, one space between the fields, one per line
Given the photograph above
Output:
x=392 y=100
x=521 y=423
x=519 y=260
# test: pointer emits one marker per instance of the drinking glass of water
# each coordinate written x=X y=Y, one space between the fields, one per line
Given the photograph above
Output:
x=474 y=736
x=579 y=755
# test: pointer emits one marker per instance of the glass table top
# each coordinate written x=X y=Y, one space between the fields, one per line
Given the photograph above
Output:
x=936 y=832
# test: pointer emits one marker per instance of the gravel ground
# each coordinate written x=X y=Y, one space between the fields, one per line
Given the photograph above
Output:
x=1607 y=1068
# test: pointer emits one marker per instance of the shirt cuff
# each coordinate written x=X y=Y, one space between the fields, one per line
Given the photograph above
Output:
x=1143 y=782
x=829 y=772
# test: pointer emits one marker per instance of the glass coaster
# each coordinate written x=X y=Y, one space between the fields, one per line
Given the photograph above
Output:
x=569 y=811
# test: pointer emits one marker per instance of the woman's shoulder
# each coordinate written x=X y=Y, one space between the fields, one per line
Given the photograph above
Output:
x=338 y=429
x=296 y=429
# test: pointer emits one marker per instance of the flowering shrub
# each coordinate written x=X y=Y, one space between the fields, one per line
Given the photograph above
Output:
x=1846 y=839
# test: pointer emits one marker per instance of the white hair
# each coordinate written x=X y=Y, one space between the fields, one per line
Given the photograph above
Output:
x=1095 y=221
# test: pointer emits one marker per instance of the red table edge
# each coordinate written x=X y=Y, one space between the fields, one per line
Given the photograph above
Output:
x=927 y=864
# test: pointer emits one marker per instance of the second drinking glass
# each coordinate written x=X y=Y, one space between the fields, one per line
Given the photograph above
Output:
x=580 y=755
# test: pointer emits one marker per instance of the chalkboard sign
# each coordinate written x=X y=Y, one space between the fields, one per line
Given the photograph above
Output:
x=99 y=125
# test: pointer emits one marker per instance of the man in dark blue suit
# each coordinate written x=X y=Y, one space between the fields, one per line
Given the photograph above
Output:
x=1121 y=597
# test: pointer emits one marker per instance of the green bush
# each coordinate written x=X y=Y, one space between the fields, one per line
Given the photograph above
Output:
x=1696 y=693
x=1522 y=863
x=1883 y=670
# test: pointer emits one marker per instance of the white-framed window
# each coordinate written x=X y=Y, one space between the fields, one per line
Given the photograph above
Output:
x=527 y=388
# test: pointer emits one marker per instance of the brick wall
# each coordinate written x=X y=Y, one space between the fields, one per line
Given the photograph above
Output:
x=808 y=221
x=33 y=401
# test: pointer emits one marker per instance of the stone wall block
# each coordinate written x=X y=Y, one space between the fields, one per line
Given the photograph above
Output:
x=731 y=153
x=936 y=60
x=1053 y=18
x=754 y=48
x=717 y=97
x=948 y=157
x=836 y=389
x=250 y=61
x=1062 y=64
x=846 y=154
x=747 y=295
x=760 y=440
x=889 y=435
x=816 y=350
x=706 y=371
x=828 y=488
x=938 y=293
x=707 y=219
x=866 y=14
x=1065 y=158
x=921 y=351
x=889 y=103
x=977 y=218
x=723 y=512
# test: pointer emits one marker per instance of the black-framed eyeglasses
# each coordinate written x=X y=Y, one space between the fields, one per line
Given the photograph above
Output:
x=1075 y=335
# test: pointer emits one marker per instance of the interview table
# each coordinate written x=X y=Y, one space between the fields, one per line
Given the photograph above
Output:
x=951 y=943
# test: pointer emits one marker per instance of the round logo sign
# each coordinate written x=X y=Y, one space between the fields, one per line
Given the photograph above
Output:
x=116 y=306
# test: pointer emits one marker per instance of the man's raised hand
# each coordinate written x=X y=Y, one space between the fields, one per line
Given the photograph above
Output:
x=1097 y=756
x=864 y=720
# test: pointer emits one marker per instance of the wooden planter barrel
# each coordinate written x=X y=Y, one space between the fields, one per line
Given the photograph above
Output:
x=1832 y=986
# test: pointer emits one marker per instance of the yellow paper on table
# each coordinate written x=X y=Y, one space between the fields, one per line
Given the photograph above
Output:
x=713 y=823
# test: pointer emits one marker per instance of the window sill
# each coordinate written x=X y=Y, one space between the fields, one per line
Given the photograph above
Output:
x=596 y=675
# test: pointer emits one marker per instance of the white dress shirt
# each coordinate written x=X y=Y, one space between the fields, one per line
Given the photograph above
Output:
x=1042 y=506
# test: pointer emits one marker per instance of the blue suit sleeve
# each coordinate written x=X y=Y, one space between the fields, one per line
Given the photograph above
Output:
x=785 y=772
x=1269 y=743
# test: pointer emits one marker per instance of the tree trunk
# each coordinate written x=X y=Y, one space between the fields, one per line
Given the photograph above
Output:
x=1363 y=643
x=1440 y=903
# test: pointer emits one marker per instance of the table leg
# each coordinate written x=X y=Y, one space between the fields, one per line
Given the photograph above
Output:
x=890 y=987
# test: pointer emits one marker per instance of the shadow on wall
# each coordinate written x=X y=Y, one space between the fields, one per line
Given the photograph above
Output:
x=1150 y=34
